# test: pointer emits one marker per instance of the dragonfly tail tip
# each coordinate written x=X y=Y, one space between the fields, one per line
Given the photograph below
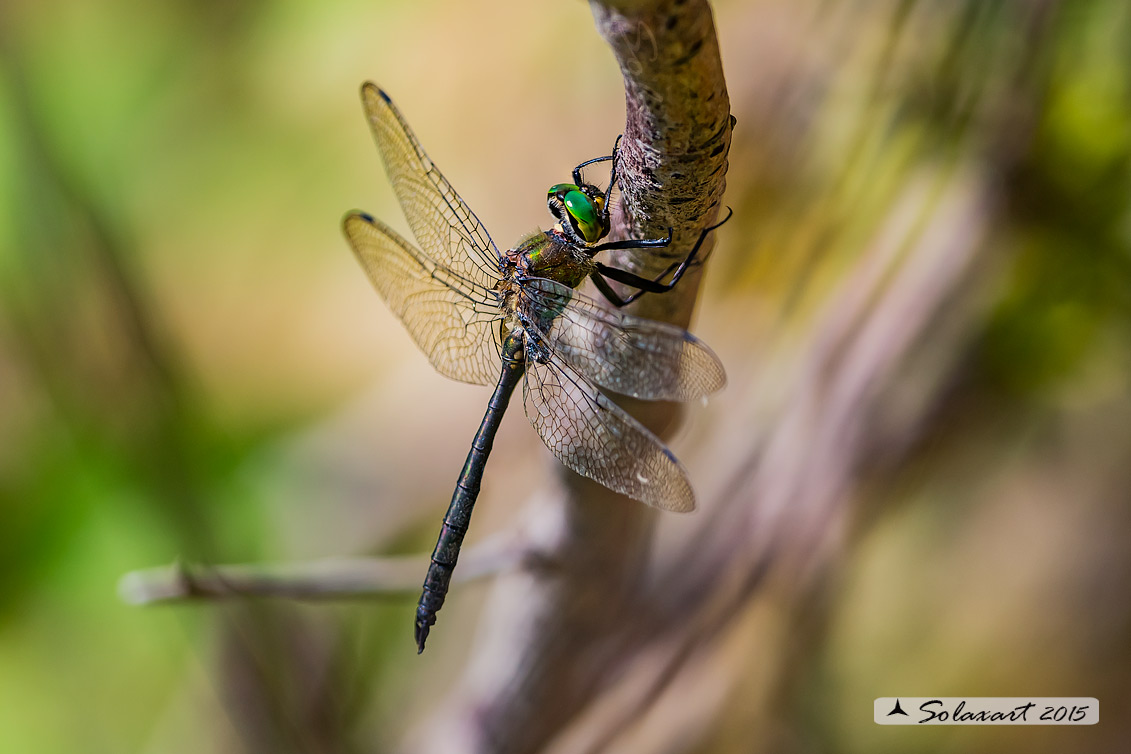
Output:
x=421 y=635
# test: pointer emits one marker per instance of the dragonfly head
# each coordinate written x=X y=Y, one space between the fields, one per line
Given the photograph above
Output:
x=581 y=211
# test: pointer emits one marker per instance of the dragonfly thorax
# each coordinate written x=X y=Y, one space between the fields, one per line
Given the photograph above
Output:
x=551 y=254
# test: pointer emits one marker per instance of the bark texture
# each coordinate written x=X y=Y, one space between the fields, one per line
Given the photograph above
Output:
x=560 y=632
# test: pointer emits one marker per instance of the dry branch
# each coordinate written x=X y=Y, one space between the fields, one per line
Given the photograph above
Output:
x=554 y=639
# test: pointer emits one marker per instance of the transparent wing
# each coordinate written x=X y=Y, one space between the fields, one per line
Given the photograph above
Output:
x=626 y=354
x=593 y=436
x=454 y=321
x=446 y=228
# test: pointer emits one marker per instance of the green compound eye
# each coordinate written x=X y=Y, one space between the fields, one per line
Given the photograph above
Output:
x=582 y=209
x=561 y=188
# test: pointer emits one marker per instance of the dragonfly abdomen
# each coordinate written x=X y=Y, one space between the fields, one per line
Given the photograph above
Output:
x=458 y=516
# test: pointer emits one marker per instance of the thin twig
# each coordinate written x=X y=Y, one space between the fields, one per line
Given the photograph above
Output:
x=333 y=578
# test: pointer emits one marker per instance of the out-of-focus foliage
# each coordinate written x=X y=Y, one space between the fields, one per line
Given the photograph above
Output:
x=192 y=365
x=181 y=323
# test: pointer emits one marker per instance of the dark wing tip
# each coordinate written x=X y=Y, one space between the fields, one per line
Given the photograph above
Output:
x=679 y=503
x=369 y=89
x=355 y=215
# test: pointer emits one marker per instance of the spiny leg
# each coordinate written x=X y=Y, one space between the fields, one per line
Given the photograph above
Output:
x=612 y=182
x=612 y=296
x=577 y=170
x=643 y=284
x=612 y=176
x=633 y=243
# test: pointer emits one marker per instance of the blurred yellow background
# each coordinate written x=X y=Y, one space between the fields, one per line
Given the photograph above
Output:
x=192 y=364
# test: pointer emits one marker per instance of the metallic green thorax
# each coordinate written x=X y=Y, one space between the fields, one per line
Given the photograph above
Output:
x=550 y=255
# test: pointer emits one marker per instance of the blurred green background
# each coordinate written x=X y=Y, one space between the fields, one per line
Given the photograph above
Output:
x=192 y=365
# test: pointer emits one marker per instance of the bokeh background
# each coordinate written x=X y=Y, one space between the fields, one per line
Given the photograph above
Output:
x=192 y=365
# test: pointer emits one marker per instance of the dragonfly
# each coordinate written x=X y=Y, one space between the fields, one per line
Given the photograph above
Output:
x=499 y=318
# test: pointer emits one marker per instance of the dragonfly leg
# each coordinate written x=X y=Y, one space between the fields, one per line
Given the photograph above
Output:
x=633 y=243
x=643 y=285
x=577 y=170
x=607 y=291
x=612 y=178
x=646 y=285
x=612 y=182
